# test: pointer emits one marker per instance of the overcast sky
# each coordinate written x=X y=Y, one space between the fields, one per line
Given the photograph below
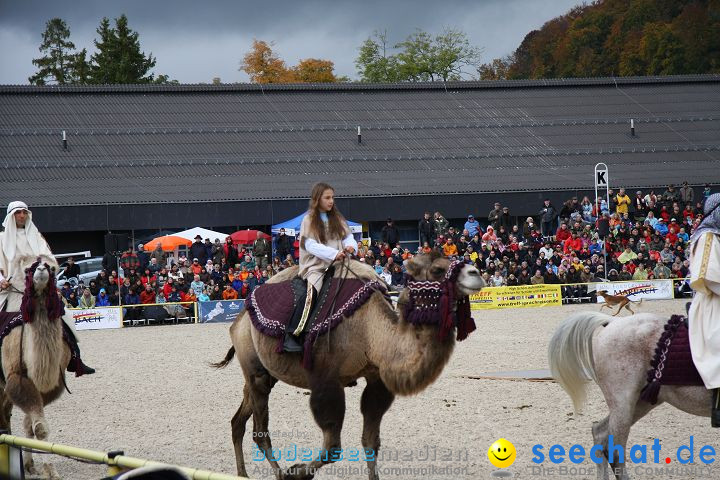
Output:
x=196 y=41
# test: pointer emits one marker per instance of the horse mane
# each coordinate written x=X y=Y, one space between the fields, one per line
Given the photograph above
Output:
x=53 y=304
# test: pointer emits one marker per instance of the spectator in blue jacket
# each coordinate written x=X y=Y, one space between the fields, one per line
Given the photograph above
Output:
x=472 y=226
x=102 y=299
x=661 y=227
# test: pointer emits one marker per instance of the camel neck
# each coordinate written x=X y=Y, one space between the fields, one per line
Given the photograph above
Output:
x=409 y=357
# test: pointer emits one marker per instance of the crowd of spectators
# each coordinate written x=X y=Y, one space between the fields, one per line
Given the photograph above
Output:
x=645 y=238
x=214 y=271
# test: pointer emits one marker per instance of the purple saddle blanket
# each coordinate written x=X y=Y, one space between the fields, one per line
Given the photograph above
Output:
x=271 y=307
x=672 y=363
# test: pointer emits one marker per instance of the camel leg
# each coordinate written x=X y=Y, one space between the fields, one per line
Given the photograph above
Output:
x=23 y=394
x=238 y=430
x=259 y=385
x=327 y=403
x=376 y=400
x=28 y=461
x=5 y=412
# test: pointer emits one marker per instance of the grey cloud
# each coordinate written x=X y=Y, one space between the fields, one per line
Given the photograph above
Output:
x=194 y=41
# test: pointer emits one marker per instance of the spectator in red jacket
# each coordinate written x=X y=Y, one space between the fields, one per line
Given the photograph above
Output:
x=147 y=295
x=563 y=233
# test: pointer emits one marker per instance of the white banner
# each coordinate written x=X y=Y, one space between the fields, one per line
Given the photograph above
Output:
x=637 y=289
x=97 y=318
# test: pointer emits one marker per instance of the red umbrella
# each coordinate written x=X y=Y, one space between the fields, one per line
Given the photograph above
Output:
x=246 y=237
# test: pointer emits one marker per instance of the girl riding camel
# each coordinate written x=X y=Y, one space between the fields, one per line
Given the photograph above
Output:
x=324 y=238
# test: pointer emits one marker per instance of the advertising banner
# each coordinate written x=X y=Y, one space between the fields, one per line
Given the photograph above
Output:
x=637 y=289
x=99 y=318
x=519 y=296
x=219 y=310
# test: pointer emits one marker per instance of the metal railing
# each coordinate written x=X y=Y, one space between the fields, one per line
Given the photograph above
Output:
x=117 y=462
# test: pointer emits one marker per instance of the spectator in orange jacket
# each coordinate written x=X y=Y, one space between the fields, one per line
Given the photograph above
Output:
x=450 y=249
x=229 y=293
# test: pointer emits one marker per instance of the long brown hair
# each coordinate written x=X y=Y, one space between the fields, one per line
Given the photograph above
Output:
x=336 y=222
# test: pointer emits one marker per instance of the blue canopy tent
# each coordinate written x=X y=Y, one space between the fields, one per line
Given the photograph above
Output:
x=292 y=227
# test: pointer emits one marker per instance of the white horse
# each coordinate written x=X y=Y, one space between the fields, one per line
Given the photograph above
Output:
x=616 y=354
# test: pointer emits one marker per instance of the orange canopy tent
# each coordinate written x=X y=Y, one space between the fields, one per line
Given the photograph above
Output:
x=168 y=243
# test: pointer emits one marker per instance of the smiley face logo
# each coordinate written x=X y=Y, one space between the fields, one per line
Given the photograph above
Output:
x=501 y=453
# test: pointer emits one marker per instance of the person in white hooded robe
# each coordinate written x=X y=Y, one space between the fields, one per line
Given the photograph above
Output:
x=704 y=314
x=21 y=238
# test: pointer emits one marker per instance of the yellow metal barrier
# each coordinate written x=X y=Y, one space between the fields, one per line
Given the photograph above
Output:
x=114 y=464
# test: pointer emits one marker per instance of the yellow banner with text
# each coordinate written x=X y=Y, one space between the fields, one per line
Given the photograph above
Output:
x=517 y=297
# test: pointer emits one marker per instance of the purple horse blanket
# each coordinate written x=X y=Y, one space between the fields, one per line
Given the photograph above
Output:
x=672 y=363
x=271 y=306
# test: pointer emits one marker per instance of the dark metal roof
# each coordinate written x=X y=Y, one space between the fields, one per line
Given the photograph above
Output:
x=214 y=143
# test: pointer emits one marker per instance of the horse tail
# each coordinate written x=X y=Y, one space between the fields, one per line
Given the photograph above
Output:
x=570 y=354
x=228 y=358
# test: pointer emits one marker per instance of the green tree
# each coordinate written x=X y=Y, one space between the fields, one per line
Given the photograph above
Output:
x=56 y=64
x=421 y=57
x=118 y=58
x=373 y=63
x=81 y=68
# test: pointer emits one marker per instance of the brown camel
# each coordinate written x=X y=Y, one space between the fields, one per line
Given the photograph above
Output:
x=395 y=357
x=34 y=358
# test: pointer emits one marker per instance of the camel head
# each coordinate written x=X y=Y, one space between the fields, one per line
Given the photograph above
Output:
x=438 y=294
x=40 y=287
x=434 y=267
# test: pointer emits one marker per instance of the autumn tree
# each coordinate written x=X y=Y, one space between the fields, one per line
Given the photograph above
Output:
x=263 y=65
x=498 y=69
x=622 y=37
x=57 y=65
x=314 y=70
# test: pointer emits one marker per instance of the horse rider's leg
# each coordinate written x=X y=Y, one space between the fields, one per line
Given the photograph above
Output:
x=260 y=384
x=327 y=403
x=375 y=401
x=23 y=394
x=238 y=430
x=600 y=437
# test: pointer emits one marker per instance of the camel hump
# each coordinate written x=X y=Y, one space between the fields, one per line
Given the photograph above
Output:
x=359 y=270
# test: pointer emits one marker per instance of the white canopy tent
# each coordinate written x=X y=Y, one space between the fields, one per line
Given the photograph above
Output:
x=191 y=233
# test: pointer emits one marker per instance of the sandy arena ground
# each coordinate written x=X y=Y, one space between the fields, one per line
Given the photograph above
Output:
x=155 y=397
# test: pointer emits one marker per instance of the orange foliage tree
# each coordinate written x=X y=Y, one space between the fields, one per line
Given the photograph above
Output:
x=264 y=66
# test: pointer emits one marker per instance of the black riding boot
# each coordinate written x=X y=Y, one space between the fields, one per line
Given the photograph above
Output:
x=76 y=364
x=293 y=343
x=715 y=412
